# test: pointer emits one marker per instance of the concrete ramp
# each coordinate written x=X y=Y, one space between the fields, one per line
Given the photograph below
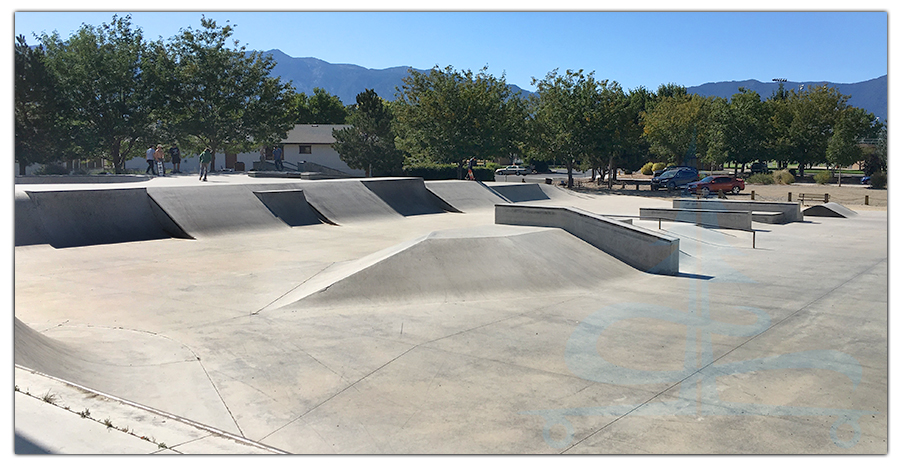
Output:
x=205 y=211
x=290 y=206
x=118 y=362
x=829 y=209
x=521 y=192
x=466 y=195
x=408 y=196
x=480 y=263
x=347 y=201
x=29 y=227
x=93 y=217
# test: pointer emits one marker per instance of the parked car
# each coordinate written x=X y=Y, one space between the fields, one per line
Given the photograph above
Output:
x=714 y=184
x=675 y=167
x=865 y=179
x=512 y=170
x=675 y=178
x=759 y=167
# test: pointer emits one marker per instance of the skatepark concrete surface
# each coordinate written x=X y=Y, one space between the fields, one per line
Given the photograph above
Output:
x=393 y=316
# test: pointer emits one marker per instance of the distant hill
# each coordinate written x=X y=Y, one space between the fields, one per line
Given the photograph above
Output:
x=346 y=81
x=870 y=95
x=342 y=80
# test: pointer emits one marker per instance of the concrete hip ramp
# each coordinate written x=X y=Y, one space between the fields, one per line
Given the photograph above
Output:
x=73 y=218
x=479 y=263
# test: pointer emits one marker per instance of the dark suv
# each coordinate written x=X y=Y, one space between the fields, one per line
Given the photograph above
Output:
x=674 y=178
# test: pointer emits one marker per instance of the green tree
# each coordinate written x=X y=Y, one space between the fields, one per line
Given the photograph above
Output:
x=106 y=97
x=738 y=131
x=677 y=126
x=448 y=116
x=369 y=143
x=320 y=108
x=844 y=148
x=224 y=96
x=567 y=119
x=804 y=123
x=41 y=134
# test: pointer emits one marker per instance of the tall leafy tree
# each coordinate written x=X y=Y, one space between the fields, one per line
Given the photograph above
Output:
x=106 y=95
x=41 y=133
x=844 y=148
x=368 y=144
x=739 y=130
x=320 y=108
x=225 y=96
x=567 y=118
x=805 y=122
x=677 y=127
x=447 y=116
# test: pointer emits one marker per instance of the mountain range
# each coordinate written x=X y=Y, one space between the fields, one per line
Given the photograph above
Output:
x=346 y=81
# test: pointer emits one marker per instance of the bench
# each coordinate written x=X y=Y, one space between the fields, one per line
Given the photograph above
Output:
x=803 y=197
x=637 y=183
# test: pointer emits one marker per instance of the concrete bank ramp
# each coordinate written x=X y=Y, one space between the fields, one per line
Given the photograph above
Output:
x=141 y=367
x=829 y=209
x=408 y=196
x=360 y=200
x=480 y=263
x=212 y=210
x=521 y=192
x=290 y=206
x=73 y=218
x=28 y=226
x=466 y=195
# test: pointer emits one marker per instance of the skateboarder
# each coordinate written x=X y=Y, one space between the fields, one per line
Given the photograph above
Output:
x=205 y=158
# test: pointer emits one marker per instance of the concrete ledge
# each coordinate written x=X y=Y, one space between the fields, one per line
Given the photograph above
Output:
x=643 y=249
x=791 y=210
x=737 y=220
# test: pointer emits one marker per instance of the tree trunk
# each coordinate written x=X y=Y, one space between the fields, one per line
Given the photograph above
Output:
x=570 y=182
x=22 y=166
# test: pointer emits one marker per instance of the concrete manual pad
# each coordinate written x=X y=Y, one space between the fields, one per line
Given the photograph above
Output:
x=441 y=333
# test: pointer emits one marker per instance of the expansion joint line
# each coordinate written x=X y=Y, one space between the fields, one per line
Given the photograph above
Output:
x=292 y=289
x=701 y=369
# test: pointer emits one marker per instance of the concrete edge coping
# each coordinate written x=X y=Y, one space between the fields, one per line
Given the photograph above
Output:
x=608 y=219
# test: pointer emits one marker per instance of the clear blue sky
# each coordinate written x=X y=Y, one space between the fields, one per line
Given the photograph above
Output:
x=633 y=48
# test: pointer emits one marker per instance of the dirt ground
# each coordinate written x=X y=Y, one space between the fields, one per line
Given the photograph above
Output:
x=850 y=195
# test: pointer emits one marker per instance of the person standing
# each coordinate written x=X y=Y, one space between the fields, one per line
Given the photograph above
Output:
x=277 y=154
x=205 y=158
x=471 y=175
x=151 y=161
x=175 y=153
x=160 y=156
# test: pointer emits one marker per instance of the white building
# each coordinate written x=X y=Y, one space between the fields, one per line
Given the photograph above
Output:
x=304 y=143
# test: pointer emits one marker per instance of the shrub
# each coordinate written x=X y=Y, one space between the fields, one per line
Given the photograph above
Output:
x=822 y=177
x=660 y=166
x=760 y=178
x=51 y=169
x=879 y=180
x=783 y=177
x=647 y=169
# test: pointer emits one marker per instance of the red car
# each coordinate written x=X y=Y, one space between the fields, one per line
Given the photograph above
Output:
x=712 y=184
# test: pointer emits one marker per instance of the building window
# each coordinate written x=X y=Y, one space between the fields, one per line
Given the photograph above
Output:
x=306 y=149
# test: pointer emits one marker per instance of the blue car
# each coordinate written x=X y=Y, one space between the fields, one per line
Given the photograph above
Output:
x=674 y=178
